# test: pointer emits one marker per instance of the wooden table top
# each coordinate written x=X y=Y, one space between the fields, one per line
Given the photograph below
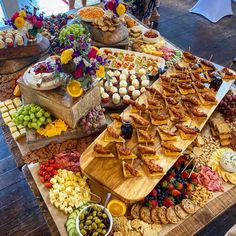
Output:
x=188 y=227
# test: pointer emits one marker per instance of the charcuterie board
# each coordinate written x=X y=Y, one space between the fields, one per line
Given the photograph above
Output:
x=108 y=171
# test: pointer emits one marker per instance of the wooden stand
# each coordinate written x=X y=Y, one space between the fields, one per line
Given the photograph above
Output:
x=17 y=58
x=60 y=104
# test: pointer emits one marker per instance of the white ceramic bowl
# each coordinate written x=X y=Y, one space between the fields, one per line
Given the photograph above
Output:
x=151 y=40
x=106 y=211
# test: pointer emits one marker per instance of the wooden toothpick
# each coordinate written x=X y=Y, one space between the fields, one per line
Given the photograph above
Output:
x=210 y=57
x=187 y=165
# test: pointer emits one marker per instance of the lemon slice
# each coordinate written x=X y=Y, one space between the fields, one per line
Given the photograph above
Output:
x=116 y=207
x=74 y=89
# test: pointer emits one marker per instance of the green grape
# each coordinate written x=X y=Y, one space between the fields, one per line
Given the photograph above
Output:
x=29 y=125
x=42 y=119
x=39 y=114
x=21 y=117
x=47 y=114
x=34 y=125
x=33 y=109
x=39 y=123
x=48 y=120
x=32 y=116
x=34 y=120
x=25 y=113
x=26 y=118
x=25 y=123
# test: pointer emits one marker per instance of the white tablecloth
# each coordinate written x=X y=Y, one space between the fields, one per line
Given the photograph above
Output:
x=213 y=10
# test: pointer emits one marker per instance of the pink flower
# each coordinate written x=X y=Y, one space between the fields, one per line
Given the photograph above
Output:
x=110 y=5
x=92 y=53
x=39 y=24
x=78 y=73
x=32 y=19
x=16 y=14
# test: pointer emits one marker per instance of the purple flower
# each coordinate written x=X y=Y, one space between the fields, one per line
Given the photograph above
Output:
x=81 y=64
x=90 y=71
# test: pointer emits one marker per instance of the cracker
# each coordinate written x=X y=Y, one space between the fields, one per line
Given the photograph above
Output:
x=136 y=224
x=145 y=214
x=157 y=227
x=162 y=215
x=171 y=216
x=154 y=215
x=135 y=211
x=188 y=206
x=180 y=212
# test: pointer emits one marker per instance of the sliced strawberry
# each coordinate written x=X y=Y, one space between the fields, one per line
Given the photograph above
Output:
x=153 y=203
x=194 y=175
x=170 y=187
x=167 y=202
x=153 y=193
x=185 y=175
x=175 y=193
x=179 y=186
x=42 y=179
x=48 y=184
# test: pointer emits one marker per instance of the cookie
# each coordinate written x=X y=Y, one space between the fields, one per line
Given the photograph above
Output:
x=154 y=215
x=180 y=212
x=162 y=215
x=171 y=216
x=188 y=206
x=135 y=210
x=145 y=214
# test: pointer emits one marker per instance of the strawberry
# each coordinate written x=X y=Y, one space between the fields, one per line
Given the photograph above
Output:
x=170 y=187
x=185 y=175
x=175 y=193
x=179 y=186
x=153 y=193
x=172 y=173
x=153 y=203
x=168 y=201
x=190 y=187
x=194 y=175
x=170 y=178
x=164 y=184
x=47 y=184
x=194 y=182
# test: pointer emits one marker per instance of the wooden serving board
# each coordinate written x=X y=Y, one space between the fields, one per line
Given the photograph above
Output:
x=108 y=171
x=36 y=141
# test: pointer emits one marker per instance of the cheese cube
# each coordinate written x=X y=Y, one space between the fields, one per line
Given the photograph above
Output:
x=23 y=131
x=3 y=109
x=12 y=112
x=8 y=102
x=15 y=135
x=7 y=119
x=13 y=129
x=2 y=104
x=10 y=107
x=17 y=102
x=11 y=124
x=5 y=115
x=20 y=126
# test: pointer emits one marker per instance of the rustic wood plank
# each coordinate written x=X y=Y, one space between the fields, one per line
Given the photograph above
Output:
x=39 y=231
x=7 y=164
x=11 y=177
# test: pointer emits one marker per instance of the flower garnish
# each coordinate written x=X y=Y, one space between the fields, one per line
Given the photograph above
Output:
x=121 y=9
x=66 y=56
x=22 y=14
x=93 y=52
x=19 y=22
x=100 y=73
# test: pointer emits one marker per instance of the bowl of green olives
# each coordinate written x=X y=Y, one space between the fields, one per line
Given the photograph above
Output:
x=94 y=220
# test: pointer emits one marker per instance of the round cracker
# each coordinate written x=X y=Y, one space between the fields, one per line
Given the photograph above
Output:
x=162 y=215
x=145 y=214
x=231 y=177
x=188 y=206
x=154 y=215
x=180 y=212
x=135 y=211
x=171 y=216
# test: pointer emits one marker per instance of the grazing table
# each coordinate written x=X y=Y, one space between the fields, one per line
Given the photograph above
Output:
x=213 y=10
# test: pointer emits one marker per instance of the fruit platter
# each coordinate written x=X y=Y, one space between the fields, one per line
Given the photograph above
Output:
x=124 y=59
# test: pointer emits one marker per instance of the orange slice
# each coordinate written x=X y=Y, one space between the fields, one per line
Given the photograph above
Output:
x=116 y=207
x=74 y=89
x=16 y=91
